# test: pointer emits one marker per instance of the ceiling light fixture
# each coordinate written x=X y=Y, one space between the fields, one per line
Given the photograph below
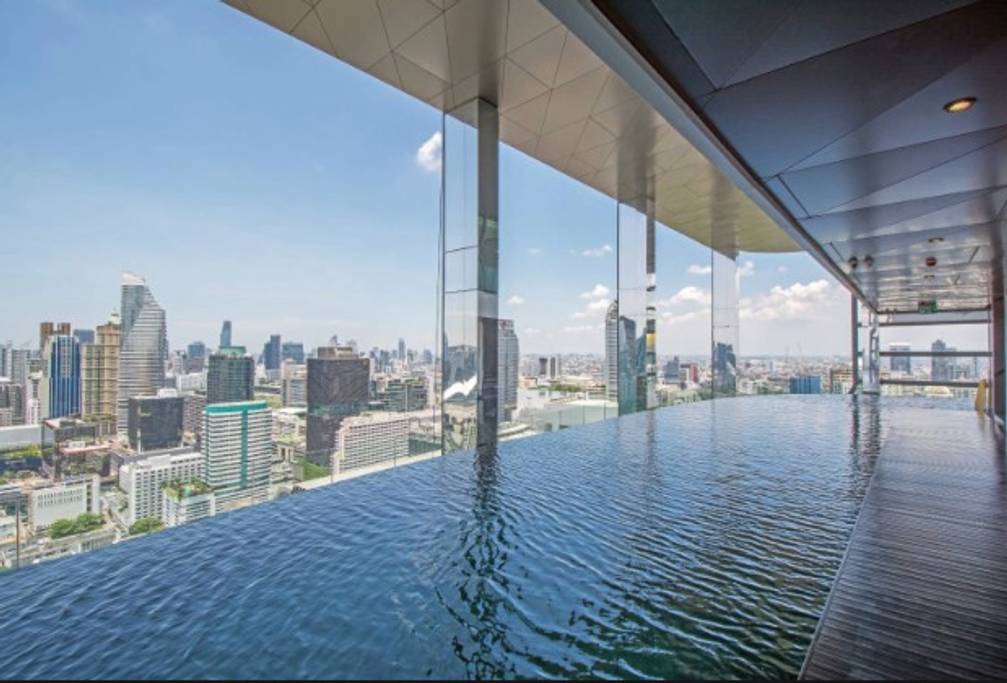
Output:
x=959 y=105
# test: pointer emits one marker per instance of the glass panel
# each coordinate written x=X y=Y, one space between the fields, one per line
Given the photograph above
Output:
x=635 y=327
x=724 y=327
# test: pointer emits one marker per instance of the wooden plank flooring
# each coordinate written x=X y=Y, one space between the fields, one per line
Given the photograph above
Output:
x=922 y=591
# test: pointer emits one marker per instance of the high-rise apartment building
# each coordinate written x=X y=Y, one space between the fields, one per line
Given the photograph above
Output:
x=406 y=394
x=370 y=439
x=143 y=347
x=231 y=376
x=225 y=334
x=237 y=448
x=338 y=386
x=156 y=422
x=294 y=384
x=508 y=364
x=192 y=423
x=612 y=352
x=61 y=377
x=272 y=353
x=100 y=372
x=143 y=480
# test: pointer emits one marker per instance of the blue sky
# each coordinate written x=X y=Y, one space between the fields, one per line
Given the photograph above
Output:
x=251 y=177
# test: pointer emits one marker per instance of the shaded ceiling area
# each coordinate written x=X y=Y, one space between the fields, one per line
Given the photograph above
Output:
x=558 y=102
x=838 y=108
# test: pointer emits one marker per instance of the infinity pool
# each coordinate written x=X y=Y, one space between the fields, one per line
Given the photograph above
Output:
x=695 y=541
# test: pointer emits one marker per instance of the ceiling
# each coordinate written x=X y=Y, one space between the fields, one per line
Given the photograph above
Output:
x=558 y=102
x=836 y=107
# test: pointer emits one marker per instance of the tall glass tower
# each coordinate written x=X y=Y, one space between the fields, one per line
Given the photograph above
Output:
x=143 y=345
x=225 y=334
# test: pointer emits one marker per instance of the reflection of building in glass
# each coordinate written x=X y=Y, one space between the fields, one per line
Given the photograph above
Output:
x=612 y=352
x=509 y=359
x=805 y=384
x=900 y=363
x=143 y=346
x=238 y=450
x=156 y=422
x=629 y=350
x=941 y=369
x=338 y=386
x=724 y=369
x=231 y=376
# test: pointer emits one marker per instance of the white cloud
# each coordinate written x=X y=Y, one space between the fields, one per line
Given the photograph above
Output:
x=428 y=156
x=598 y=251
x=781 y=269
x=789 y=303
x=686 y=295
x=535 y=251
x=696 y=269
x=531 y=331
x=694 y=317
x=592 y=310
x=583 y=328
x=515 y=300
x=747 y=269
x=599 y=291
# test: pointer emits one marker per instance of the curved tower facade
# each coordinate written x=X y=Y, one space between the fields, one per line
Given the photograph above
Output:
x=143 y=345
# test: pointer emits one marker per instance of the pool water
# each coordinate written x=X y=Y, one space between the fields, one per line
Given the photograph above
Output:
x=694 y=541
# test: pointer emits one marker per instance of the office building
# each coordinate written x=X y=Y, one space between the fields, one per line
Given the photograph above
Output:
x=12 y=403
x=192 y=422
x=231 y=376
x=156 y=422
x=225 y=334
x=143 y=348
x=293 y=351
x=508 y=371
x=143 y=480
x=272 y=353
x=84 y=336
x=941 y=369
x=294 y=385
x=405 y=394
x=806 y=384
x=61 y=376
x=402 y=349
x=338 y=386
x=100 y=372
x=903 y=364
x=238 y=451
x=195 y=357
x=67 y=499
x=370 y=439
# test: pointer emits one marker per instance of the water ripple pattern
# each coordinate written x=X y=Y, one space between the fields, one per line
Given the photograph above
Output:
x=695 y=541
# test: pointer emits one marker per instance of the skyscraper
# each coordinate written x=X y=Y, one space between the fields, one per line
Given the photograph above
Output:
x=100 y=372
x=225 y=334
x=293 y=351
x=612 y=352
x=195 y=357
x=941 y=369
x=272 y=353
x=84 y=336
x=509 y=359
x=402 y=349
x=338 y=386
x=237 y=448
x=61 y=386
x=47 y=329
x=143 y=346
x=900 y=363
x=231 y=376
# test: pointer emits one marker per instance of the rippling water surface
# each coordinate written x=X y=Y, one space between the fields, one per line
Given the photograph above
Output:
x=695 y=541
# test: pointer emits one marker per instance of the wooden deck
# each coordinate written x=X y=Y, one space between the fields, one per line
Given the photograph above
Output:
x=922 y=591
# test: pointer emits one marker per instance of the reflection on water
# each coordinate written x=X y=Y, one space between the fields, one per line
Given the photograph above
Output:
x=696 y=541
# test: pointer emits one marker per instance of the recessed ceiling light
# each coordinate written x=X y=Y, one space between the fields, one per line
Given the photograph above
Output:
x=959 y=105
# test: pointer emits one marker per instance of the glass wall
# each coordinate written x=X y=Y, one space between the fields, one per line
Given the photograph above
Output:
x=724 y=324
x=637 y=291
